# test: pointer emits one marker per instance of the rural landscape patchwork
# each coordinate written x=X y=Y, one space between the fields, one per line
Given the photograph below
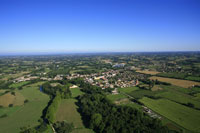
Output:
x=113 y=92
x=99 y=66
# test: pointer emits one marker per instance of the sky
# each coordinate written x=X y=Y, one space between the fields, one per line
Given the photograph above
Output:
x=53 y=26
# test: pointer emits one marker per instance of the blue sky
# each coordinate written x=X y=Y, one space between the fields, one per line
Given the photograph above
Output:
x=28 y=26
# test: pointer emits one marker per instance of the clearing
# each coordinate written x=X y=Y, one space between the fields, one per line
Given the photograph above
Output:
x=76 y=92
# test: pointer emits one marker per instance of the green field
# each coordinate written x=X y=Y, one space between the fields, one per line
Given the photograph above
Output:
x=134 y=105
x=197 y=96
x=17 y=85
x=27 y=114
x=182 y=115
x=76 y=92
x=68 y=111
x=180 y=98
x=116 y=97
x=128 y=89
x=138 y=94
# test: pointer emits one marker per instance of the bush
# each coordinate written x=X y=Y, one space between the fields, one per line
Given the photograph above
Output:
x=26 y=101
x=63 y=127
x=13 y=93
x=20 y=88
x=10 y=105
x=4 y=115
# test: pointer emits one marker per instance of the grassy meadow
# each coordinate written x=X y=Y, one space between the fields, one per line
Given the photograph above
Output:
x=68 y=111
x=76 y=92
x=26 y=114
x=17 y=85
x=116 y=97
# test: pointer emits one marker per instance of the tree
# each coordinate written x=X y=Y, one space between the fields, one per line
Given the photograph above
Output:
x=95 y=120
x=63 y=127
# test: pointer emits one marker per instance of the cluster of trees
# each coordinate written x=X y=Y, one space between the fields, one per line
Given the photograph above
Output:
x=102 y=115
x=87 y=88
x=52 y=90
x=63 y=127
x=5 y=85
x=50 y=113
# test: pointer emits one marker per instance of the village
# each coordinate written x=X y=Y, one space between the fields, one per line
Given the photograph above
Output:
x=109 y=79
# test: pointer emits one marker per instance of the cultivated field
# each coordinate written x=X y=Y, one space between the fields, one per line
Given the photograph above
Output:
x=180 y=98
x=177 y=82
x=26 y=114
x=182 y=115
x=148 y=72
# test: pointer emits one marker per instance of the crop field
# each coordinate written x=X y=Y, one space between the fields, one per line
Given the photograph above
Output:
x=148 y=72
x=26 y=114
x=128 y=89
x=177 y=82
x=76 y=92
x=142 y=93
x=68 y=111
x=180 y=98
x=182 y=115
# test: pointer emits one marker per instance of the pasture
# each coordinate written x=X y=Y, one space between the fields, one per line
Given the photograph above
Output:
x=116 y=97
x=177 y=82
x=26 y=114
x=156 y=88
x=76 y=92
x=68 y=111
x=15 y=99
x=184 y=116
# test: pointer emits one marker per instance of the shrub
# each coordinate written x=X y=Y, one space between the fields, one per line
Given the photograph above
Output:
x=4 y=115
x=10 y=105
x=26 y=101
x=13 y=93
